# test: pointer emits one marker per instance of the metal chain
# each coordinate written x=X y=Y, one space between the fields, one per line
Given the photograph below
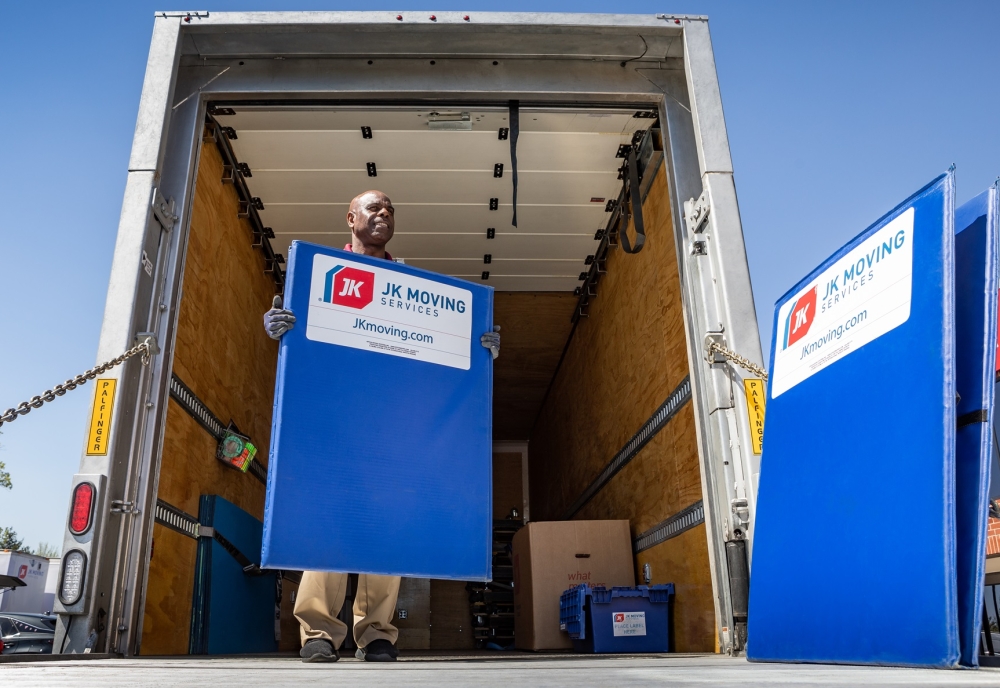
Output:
x=11 y=414
x=734 y=357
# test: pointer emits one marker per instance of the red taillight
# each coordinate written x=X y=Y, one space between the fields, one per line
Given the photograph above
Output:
x=81 y=509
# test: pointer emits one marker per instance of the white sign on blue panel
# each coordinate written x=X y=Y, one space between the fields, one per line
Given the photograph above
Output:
x=389 y=312
x=859 y=298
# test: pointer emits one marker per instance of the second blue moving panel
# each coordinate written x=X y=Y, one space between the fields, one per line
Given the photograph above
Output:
x=975 y=363
x=854 y=549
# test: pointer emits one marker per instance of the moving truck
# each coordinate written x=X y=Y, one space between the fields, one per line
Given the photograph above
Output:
x=622 y=291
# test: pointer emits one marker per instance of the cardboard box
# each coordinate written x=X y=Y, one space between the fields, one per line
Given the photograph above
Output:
x=553 y=556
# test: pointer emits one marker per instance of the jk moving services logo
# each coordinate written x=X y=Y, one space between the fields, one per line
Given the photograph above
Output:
x=349 y=287
x=799 y=319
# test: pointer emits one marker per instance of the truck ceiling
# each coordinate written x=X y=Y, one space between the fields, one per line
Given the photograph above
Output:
x=442 y=167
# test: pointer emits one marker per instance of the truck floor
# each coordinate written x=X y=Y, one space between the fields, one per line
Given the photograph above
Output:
x=502 y=670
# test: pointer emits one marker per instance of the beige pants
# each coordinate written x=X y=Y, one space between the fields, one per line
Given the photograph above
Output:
x=321 y=596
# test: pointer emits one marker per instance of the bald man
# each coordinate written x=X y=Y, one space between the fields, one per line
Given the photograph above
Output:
x=320 y=597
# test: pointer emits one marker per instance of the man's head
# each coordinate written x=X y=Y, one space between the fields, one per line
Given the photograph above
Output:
x=371 y=219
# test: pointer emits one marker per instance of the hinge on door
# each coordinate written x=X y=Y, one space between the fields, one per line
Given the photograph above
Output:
x=121 y=507
x=696 y=213
x=186 y=16
x=741 y=514
x=163 y=209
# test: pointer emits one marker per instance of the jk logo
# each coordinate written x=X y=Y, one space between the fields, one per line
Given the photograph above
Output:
x=349 y=287
x=799 y=318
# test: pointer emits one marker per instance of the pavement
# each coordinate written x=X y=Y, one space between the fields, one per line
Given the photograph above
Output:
x=501 y=671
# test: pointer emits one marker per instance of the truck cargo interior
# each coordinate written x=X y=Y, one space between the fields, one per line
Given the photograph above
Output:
x=592 y=407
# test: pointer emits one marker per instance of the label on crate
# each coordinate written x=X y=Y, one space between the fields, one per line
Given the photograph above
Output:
x=388 y=312
x=862 y=296
x=629 y=623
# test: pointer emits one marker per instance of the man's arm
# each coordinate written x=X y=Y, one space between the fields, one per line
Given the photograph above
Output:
x=491 y=340
x=278 y=320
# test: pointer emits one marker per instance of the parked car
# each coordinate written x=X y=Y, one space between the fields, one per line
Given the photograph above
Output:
x=26 y=633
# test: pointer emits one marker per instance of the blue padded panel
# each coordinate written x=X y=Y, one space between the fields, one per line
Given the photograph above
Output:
x=854 y=548
x=975 y=363
x=239 y=608
x=381 y=446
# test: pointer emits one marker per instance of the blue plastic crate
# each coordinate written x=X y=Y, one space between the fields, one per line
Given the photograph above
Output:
x=617 y=620
x=571 y=611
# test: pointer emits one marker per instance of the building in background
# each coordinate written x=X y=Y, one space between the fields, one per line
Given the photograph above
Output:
x=34 y=572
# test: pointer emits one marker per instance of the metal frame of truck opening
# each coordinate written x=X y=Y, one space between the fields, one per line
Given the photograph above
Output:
x=664 y=61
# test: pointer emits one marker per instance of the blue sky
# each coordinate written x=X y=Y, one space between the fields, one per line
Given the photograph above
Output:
x=835 y=111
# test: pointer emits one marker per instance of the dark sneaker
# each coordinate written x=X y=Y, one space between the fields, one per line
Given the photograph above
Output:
x=318 y=650
x=379 y=651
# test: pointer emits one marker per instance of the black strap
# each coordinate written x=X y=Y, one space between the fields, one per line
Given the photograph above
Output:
x=973 y=417
x=515 y=127
x=635 y=201
x=249 y=568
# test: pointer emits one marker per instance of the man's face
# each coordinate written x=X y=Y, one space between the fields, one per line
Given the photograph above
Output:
x=371 y=218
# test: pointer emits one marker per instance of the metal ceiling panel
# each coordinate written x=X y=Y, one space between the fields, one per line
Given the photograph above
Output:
x=535 y=267
x=408 y=149
x=462 y=187
x=394 y=118
x=250 y=118
x=412 y=245
x=434 y=217
x=525 y=283
x=396 y=149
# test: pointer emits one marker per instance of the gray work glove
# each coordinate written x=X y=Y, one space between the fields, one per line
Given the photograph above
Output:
x=278 y=320
x=491 y=340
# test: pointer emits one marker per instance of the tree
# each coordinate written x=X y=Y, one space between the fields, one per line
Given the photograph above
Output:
x=46 y=550
x=9 y=540
x=4 y=475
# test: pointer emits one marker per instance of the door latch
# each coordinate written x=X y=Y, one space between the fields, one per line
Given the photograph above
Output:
x=696 y=213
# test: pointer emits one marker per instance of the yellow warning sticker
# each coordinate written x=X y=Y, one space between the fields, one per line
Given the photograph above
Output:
x=100 y=417
x=754 y=388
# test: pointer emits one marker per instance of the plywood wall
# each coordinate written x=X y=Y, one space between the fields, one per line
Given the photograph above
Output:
x=289 y=624
x=683 y=561
x=451 y=616
x=621 y=364
x=507 y=491
x=534 y=327
x=415 y=629
x=167 y=623
x=224 y=356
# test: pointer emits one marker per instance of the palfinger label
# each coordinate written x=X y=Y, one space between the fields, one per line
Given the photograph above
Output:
x=754 y=388
x=388 y=312
x=100 y=416
x=859 y=298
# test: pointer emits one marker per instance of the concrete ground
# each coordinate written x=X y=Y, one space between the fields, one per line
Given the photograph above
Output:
x=502 y=671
